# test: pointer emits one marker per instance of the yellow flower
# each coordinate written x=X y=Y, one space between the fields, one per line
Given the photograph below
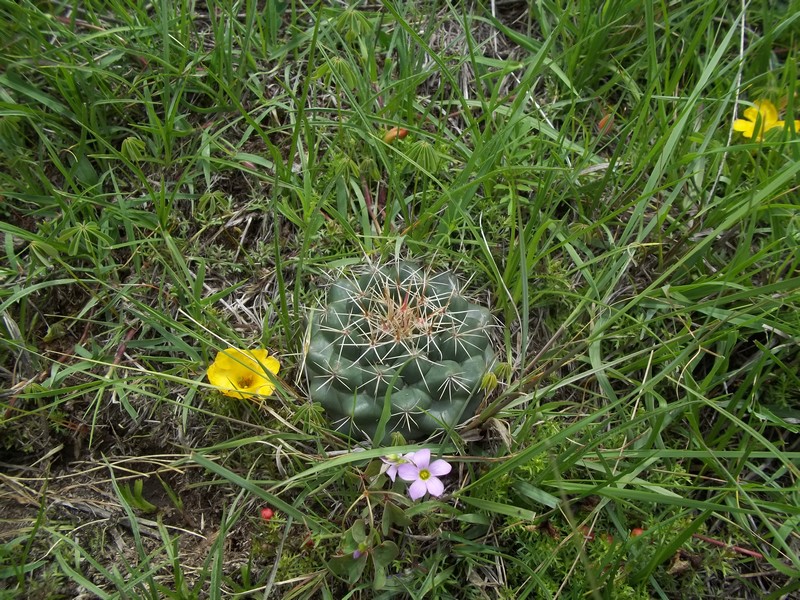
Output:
x=760 y=118
x=243 y=373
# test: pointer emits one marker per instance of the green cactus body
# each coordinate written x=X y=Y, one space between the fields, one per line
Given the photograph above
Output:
x=402 y=340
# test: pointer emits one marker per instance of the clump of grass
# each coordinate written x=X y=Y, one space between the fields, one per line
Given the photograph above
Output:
x=177 y=180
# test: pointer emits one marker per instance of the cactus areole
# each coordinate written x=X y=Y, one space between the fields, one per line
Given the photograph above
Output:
x=399 y=346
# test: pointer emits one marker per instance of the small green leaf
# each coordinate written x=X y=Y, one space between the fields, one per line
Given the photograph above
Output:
x=84 y=171
x=133 y=149
x=135 y=498
x=489 y=382
x=503 y=370
x=537 y=495
x=379 y=579
x=384 y=553
x=786 y=418
x=43 y=252
x=173 y=496
x=500 y=508
x=348 y=568
x=397 y=439
x=357 y=532
x=55 y=332
x=321 y=71
x=474 y=519
x=426 y=157
x=396 y=515
x=373 y=468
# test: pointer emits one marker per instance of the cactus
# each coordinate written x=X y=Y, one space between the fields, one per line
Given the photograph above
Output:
x=399 y=345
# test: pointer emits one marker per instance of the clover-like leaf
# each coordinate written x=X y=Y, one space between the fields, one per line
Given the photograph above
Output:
x=384 y=553
x=393 y=515
x=348 y=567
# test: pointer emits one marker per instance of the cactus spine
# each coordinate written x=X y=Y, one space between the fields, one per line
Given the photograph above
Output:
x=401 y=345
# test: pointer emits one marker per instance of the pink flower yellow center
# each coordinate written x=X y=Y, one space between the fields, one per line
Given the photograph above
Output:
x=424 y=474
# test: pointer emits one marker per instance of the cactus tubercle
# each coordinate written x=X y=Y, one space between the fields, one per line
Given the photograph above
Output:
x=401 y=342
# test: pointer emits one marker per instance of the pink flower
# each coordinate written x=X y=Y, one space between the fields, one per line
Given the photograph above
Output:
x=392 y=463
x=423 y=474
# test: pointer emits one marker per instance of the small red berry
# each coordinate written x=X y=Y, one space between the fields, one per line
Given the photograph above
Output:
x=266 y=513
x=605 y=124
x=393 y=133
x=636 y=531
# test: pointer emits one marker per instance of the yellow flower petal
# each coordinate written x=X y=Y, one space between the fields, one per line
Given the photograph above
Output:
x=768 y=112
x=243 y=373
x=745 y=127
x=751 y=113
x=760 y=117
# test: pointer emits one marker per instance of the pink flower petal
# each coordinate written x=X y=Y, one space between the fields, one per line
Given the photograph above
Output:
x=435 y=486
x=417 y=489
x=408 y=472
x=422 y=458
x=439 y=467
